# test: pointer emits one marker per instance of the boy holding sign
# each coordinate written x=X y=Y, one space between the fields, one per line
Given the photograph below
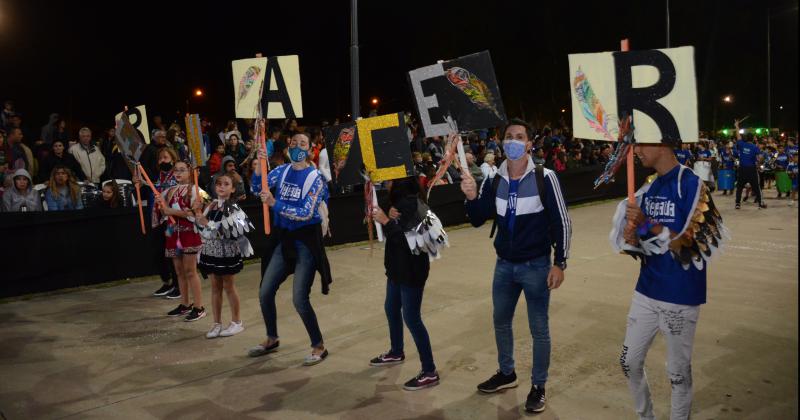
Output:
x=671 y=223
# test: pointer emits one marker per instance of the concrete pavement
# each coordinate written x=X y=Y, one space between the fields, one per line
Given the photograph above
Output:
x=111 y=352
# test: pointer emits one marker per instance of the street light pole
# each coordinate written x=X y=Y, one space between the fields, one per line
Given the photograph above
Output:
x=354 y=103
x=769 y=74
x=668 y=24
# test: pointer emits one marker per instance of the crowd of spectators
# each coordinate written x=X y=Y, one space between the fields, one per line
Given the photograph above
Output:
x=54 y=169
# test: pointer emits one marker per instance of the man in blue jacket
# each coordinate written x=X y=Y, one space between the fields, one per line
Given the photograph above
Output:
x=531 y=217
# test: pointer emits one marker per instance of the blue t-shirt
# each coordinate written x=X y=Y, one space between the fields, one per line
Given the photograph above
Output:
x=748 y=153
x=705 y=154
x=782 y=161
x=511 y=209
x=298 y=195
x=727 y=159
x=683 y=156
x=791 y=150
x=662 y=277
x=791 y=168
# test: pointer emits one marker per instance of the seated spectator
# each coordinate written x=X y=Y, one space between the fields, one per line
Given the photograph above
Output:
x=419 y=167
x=18 y=155
x=3 y=170
x=90 y=158
x=234 y=147
x=538 y=156
x=229 y=168
x=20 y=196
x=427 y=163
x=488 y=169
x=59 y=156
x=61 y=131
x=474 y=169
x=111 y=197
x=576 y=161
x=63 y=192
x=605 y=154
x=560 y=161
x=215 y=161
x=48 y=133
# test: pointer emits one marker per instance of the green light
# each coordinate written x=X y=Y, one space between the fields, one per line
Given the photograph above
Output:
x=725 y=131
x=758 y=131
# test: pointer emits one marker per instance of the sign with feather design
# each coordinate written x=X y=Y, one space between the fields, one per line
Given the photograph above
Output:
x=657 y=87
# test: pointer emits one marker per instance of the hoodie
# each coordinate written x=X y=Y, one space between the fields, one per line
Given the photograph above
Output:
x=49 y=130
x=238 y=186
x=14 y=200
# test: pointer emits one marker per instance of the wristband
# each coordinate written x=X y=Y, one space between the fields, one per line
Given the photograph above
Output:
x=645 y=227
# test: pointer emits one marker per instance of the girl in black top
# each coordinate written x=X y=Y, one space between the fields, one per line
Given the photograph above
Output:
x=414 y=237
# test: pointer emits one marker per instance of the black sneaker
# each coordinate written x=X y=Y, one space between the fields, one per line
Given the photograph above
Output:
x=535 y=402
x=180 y=310
x=499 y=382
x=174 y=293
x=388 y=359
x=738 y=206
x=195 y=314
x=762 y=206
x=422 y=381
x=163 y=290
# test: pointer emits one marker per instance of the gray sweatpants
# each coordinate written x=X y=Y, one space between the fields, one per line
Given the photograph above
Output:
x=677 y=323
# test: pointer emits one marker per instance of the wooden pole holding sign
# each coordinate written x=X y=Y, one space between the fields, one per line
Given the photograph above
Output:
x=139 y=199
x=625 y=46
x=262 y=142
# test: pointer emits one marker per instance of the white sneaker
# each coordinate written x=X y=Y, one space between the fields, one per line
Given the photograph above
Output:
x=233 y=329
x=215 y=330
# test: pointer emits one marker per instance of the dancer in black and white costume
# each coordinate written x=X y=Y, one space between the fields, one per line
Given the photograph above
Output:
x=223 y=226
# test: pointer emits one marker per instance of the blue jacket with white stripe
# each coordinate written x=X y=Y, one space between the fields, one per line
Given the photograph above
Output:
x=535 y=230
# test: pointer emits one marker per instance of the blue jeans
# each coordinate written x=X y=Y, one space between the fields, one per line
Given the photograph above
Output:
x=274 y=276
x=510 y=279
x=404 y=303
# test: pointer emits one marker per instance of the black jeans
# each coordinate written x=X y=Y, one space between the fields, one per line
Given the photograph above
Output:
x=748 y=174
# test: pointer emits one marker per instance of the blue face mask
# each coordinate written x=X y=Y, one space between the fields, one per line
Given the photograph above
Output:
x=297 y=154
x=514 y=149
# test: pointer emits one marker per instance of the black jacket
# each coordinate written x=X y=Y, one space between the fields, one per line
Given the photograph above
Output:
x=402 y=266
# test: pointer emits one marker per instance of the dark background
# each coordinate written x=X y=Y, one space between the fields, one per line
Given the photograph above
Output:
x=86 y=60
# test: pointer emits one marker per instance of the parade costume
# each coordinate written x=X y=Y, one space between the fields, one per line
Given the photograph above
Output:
x=726 y=172
x=182 y=235
x=295 y=245
x=783 y=182
x=672 y=280
x=224 y=240
x=413 y=241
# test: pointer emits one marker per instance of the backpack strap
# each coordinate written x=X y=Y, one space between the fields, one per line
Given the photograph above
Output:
x=539 y=171
x=495 y=184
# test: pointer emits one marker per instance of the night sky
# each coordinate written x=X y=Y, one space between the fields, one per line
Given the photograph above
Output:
x=86 y=60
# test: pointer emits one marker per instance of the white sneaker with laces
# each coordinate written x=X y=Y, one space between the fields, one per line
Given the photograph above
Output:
x=215 y=330
x=233 y=329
